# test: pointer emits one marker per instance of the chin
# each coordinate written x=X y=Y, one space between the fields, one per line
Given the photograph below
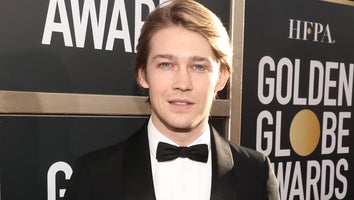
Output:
x=186 y=126
x=179 y=126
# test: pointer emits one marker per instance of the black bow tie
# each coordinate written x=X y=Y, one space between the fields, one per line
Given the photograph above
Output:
x=166 y=152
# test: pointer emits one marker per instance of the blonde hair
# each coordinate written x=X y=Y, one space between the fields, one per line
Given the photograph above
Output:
x=192 y=16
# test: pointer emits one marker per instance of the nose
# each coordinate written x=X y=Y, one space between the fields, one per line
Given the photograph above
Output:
x=182 y=80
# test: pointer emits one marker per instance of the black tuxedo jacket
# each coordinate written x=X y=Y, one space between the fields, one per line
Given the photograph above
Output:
x=123 y=171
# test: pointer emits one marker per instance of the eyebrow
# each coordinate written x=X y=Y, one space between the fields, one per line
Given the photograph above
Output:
x=200 y=58
x=166 y=56
x=172 y=57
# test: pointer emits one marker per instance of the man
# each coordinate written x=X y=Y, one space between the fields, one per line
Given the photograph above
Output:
x=183 y=60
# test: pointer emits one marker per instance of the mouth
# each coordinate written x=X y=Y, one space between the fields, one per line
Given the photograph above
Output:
x=179 y=102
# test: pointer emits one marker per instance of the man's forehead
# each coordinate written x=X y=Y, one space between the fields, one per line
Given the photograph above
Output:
x=177 y=42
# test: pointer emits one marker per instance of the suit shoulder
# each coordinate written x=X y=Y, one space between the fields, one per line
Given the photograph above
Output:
x=113 y=154
x=250 y=165
x=97 y=172
x=254 y=168
x=104 y=155
x=246 y=154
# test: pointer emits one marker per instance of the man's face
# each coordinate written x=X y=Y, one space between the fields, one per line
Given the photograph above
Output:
x=183 y=77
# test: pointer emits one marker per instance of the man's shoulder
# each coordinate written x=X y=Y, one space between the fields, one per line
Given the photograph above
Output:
x=240 y=154
x=113 y=152
x=247 y=155
x=104 y=155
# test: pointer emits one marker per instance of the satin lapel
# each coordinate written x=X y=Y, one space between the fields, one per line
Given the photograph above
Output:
x=223 y=181
x=137 y=167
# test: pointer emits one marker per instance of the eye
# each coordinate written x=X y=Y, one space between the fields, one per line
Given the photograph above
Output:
x=199 y=68
x=165 y=65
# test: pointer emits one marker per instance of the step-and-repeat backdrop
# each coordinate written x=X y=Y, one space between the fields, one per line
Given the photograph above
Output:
x=298 y=94
x=66 y=46
x=297 y=88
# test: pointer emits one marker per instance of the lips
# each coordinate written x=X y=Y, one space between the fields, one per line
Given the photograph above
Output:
x=180 y=102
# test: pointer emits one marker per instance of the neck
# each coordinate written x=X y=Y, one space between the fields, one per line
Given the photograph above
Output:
x=182 y=136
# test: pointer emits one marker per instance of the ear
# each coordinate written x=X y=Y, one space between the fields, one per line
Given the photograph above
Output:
x=223 y=77
x=142 y=78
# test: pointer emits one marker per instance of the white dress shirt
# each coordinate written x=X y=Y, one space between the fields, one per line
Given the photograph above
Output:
x=182 y=178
